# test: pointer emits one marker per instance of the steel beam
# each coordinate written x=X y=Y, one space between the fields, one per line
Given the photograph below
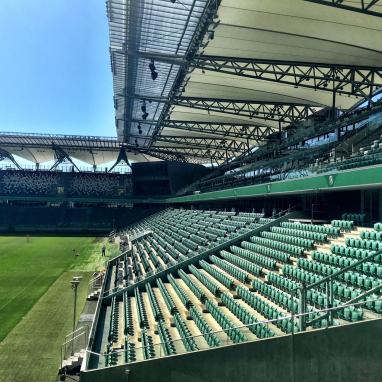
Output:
x=4 y=154
x=217 y=144
x=353 y=80
x=285 y=112
x=226 y=130
x=189 y=152
x=172 y=59
x=61 y=156
x=122 y=157
x=276 y=111
x=356 y=80
x=362 y=6
x=253 y=131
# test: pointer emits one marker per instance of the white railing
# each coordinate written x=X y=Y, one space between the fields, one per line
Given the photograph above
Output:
x=139 y=235
x=75 y=342
x=96 y=282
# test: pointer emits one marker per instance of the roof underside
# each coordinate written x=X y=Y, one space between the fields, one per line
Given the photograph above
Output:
x=207 y=79
x=231 y=72
x=41 y=148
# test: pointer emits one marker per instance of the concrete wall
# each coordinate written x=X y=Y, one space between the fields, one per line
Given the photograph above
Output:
x=346 y=353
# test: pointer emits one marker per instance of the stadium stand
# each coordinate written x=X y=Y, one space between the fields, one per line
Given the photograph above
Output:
x=249 y=219
x=366 y=156
x=32 y=183
x=93 y=185
x=308 y=160
x=195 y=232
x=64 y=184
x=245 y=292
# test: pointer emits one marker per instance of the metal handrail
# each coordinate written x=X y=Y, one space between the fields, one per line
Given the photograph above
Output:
x=83 y=330
x=328 y=281
x=72 y=339
x=75 y=331
x=282 y=212
x=99 y=276
x=340 y=272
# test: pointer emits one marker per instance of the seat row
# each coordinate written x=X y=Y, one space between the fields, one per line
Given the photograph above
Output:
x=214 y=272
x=301 y=242
x=248 y=319
x=293 y=249
x=185 y=334
x=368 y=267
x=259 y=259
x=269 y=252
x=344 y=225
x=206 y=281
x=248 y=266
x=204 y=328
x=316 y=236
x=358 y=219
x=232 y=270
x=371 y=235
x=229 y=328
x=351 y=277
x=372 y=245
x=319 y=298
x=265 y=309
x=328 y=230
x=356 y=253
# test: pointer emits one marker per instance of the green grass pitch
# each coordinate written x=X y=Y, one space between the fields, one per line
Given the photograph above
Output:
x=36 y=300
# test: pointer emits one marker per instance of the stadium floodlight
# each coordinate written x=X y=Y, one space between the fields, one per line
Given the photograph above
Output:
x=144 y=110
x=154 y=73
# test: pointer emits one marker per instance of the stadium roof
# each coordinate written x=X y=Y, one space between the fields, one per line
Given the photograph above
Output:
x=41 y=148
x=208 y=79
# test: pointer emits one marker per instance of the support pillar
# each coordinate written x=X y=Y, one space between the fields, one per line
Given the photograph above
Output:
x=302 y=307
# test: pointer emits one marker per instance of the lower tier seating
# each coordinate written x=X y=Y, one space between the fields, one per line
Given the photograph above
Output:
x=225 y=298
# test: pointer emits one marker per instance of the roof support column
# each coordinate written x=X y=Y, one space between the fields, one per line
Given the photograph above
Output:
x=7 y=155
x=122 y=157
x=61 y=156
x=334 y=105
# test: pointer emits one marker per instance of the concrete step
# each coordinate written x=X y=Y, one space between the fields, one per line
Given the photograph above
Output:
x=73 y=361
x=94 y=295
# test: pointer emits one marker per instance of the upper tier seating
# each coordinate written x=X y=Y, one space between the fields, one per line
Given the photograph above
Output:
x=366 y=156
x=19 y=182
x=71 y=184
x=307 y=160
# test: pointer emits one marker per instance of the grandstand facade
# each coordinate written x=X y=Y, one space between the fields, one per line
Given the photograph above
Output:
x=249 y=217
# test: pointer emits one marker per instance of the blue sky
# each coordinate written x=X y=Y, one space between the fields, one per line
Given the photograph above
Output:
x=54 y=67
